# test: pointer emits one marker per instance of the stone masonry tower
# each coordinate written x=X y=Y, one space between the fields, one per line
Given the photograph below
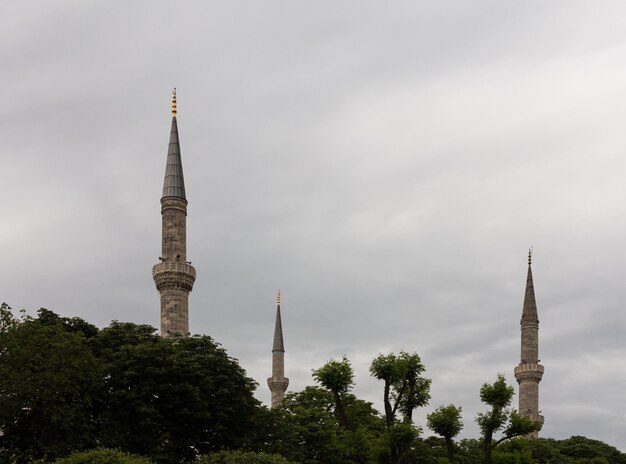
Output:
x=174 y=276
x=277 y=382
x=529 y=371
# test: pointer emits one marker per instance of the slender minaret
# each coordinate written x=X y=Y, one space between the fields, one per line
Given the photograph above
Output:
x=174 y=276
x=529 y=371
x=278 y=383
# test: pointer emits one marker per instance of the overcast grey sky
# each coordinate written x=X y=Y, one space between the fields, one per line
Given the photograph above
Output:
x=385 y=164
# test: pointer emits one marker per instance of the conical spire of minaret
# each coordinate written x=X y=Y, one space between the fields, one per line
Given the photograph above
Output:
x=529 y=313
x=278 y=329
x=174 y=182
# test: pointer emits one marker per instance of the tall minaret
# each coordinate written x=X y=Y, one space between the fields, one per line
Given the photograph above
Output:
x=278 y=383
x=174 y=276
x=529 y=371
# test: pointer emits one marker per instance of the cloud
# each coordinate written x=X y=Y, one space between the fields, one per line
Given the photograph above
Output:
x=386 y=168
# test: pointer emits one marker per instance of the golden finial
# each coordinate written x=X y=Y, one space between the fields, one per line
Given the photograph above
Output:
x=530 y=255
x=278 y=298
x=174 y=102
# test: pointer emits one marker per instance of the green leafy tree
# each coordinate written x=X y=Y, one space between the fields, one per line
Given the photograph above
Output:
x=404 y=387
x=446 y=421
x=361 y=422
x=67 y=386
x=7 y=320
x=242 y=457
x=404 y=390
x=136 y=364
x=307 y=430
x=49 y=383
x=543 y=450
x=70 y=324
x=500 y=417
x=172 y=399
x=513 y=452
x=430 y=450
x=103 y=456
x=469 y=451
x=397 y=443
x=338 y=378
x=585 y=450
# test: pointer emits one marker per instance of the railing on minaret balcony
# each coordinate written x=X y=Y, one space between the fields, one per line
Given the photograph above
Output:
x=173 y=266
x=174 y=274
x=523 y=369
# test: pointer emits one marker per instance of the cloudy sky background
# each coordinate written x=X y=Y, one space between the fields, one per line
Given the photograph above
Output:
x=385 y=164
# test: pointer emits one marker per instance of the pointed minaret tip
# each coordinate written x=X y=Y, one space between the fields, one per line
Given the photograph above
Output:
x=278 y=344
x=529 y=312
x=174 y=102
x=174 y=182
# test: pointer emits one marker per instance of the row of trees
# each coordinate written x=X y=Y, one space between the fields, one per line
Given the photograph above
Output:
x=357 y=433
x=574 y=450
x=72 y=393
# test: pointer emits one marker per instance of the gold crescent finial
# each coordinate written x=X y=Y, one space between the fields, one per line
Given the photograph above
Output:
x=174 y=102
x=530 y=255
x=278 y=298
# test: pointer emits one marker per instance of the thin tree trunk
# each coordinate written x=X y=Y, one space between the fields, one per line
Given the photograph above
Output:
x=340 y=412
x=411 y=394
x=342 y=418
x=487 y=447
x=389 y=413
x=450 y=449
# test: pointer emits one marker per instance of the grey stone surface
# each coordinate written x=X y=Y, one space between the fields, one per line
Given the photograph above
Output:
x=174 y=182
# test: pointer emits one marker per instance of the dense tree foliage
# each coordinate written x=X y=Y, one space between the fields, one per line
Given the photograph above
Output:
x=390 y=441
x=242 y=457
x=574 y=450
x=469 y=451
x=360 y=423
x=49 y=382
x=103 y=456
x=171 y=398
x=338 y=378
x=586 y=449
x=309 y=431
x=306 y=428
x=67 y=386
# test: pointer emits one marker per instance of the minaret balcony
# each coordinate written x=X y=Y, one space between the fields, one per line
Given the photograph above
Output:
x=529 y=372
x=174 y=274
x=278 y=383
x=174 y=266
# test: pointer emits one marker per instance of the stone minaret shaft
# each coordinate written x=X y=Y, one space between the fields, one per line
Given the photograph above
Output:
x=529 y=371
x=174 y=276
x=278 y=383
